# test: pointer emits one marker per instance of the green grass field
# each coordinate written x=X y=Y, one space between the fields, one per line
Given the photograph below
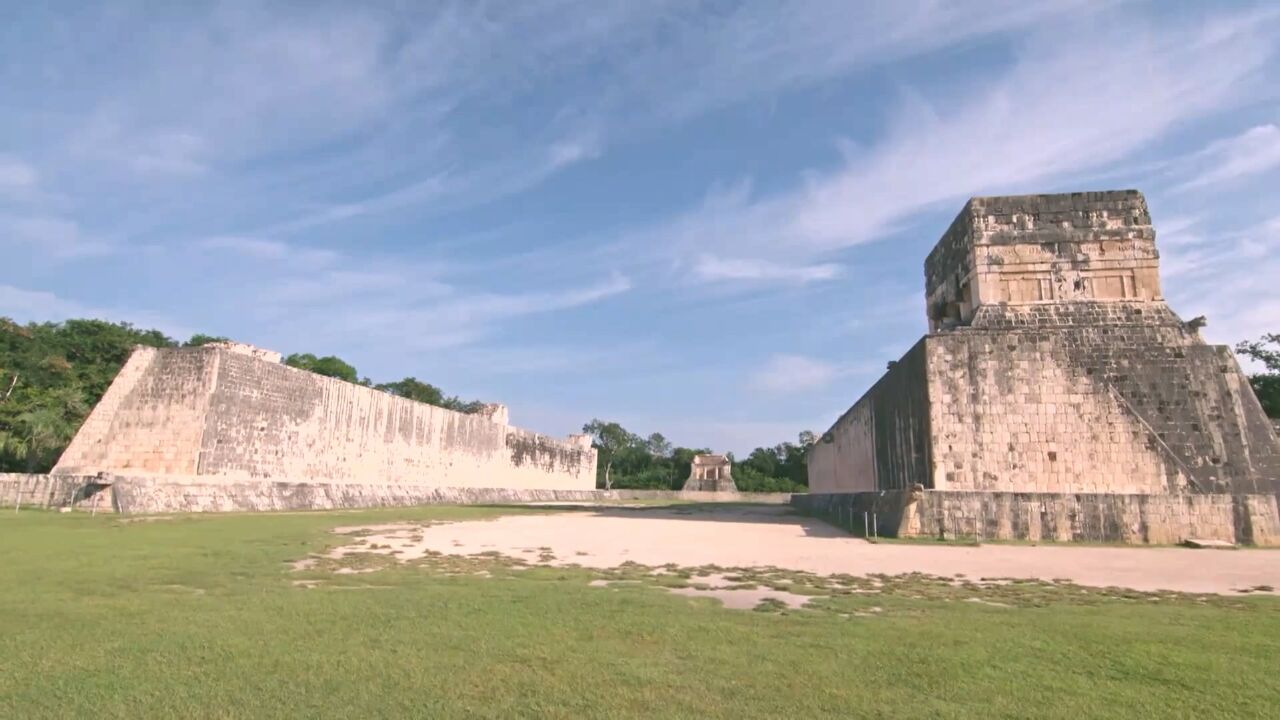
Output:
x=199 y=616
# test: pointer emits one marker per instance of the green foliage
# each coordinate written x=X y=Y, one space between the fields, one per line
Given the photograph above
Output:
x=200 y=339
x=1266 y=385
x=412 y=388
x=630 y=462
x=609 y=439
x=51 y=375
x=328 y=366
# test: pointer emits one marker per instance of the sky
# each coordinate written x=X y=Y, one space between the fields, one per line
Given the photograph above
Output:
x=705 y=219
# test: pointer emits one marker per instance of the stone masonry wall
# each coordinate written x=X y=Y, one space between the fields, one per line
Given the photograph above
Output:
x=1011 y=412
x=1093 y=397
x=156 y=495
x=151 y=419
x=1054 y=517
x=226 y=416
x=882 y=442
x=1042 y=248
x=23 y=490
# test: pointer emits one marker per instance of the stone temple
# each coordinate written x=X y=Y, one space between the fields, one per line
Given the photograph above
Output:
x=710 y=473
x=1053 y=365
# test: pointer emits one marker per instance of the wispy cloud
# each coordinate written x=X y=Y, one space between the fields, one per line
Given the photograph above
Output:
x=1255 y=151
x=788 y=373
x=260 y=249
x=459 y=316
x=709 y=267
x=44 y=306
x=15 y=176
x=1112 y=93
x=52 y=238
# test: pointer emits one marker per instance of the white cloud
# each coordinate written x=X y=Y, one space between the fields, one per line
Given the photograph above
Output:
x=53 y=238
x=170 y=153
x=40 y=305
x=1179 y=231
x=1110 y=94
x=263 y=249
x=1230 y=281
x=15 y=176
x=422 y=315
x=570 y=151
x=794 y=373
x=711 y=268
x=43 y=306
x=1255 y=151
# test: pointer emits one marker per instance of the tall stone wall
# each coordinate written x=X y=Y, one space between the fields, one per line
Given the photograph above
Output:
x=882 y=442
x=227 y=416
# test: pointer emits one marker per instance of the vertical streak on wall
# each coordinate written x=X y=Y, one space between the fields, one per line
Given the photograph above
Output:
x=269 y=421
x=224 y=416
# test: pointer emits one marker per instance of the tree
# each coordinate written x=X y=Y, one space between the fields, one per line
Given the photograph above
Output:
x=412 y=388
x=200 y=339
x=52 y=374
x=1266 y=385
x=609 y=438
x=329 y=366
x=657 y=445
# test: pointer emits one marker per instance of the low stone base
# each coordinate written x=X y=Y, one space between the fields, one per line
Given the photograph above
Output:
x=1103 y=518
x=129 y=494
x=79 y=492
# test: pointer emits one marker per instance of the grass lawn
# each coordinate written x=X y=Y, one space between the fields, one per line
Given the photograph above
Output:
x=199 y=616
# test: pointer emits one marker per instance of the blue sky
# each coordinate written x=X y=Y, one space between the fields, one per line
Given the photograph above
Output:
x=705 y=219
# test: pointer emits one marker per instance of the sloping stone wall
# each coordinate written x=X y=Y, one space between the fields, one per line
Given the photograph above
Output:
x=229 y=416
x=1093 y=397
x=152 y=417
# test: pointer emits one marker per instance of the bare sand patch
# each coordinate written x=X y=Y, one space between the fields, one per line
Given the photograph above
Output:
x=719 y=587
x=763 y=536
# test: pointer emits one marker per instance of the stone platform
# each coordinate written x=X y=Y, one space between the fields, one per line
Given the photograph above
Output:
x=1136 y=519
x=143 y=495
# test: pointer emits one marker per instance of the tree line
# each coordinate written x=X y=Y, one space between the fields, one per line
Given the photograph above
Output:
x=1266 y=384
x=52 y=374
x=631 y=461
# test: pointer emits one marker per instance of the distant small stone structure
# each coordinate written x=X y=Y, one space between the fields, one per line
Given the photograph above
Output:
x=710 y=473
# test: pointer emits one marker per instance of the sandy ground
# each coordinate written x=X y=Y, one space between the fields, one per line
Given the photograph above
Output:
x=773 y=536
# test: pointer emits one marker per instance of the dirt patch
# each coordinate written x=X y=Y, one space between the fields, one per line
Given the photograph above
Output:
x=745 y=536
x=731 y=594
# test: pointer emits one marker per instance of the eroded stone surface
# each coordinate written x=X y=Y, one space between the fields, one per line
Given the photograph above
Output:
x=222 y=415
x=1053 y=365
